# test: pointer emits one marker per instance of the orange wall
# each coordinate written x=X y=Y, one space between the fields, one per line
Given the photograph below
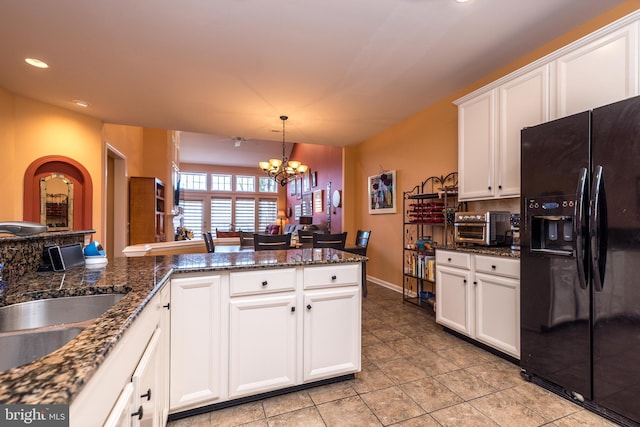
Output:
x=423 y=145
x=29 y=130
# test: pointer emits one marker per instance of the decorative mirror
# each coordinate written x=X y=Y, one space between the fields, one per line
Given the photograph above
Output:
x=56 y=202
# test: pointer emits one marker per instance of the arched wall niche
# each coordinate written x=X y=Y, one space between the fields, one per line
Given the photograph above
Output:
x=82 y=189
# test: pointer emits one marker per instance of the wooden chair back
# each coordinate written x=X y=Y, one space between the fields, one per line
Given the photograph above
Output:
x=270 y=242
x=305 y=237
x=334 y=241
x=208 y=241
x=246 y=239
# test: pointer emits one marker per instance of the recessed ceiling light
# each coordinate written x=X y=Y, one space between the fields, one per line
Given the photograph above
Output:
x=36 y=63
x=462 y=1
x=81 y=103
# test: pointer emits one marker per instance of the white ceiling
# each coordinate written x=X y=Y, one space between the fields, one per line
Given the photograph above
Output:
x=342 y=70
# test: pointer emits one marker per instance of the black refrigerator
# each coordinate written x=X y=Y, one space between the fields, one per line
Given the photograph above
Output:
x=580 y=258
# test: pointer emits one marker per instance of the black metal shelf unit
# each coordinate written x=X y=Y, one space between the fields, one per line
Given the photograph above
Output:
x=428 y=215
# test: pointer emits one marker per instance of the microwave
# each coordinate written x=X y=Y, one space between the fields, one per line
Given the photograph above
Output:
x=482 y=228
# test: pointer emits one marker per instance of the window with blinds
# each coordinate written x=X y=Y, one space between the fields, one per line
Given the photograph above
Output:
x=221 y=210
x=267 y=213
x=193 y=215
x=245 y=218
x=211 y=202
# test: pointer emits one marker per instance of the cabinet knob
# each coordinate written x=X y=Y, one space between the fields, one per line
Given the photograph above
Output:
x=489 y=187
x=464 y=280
x=334 y=277
x=499 y=187
x=139 y=413
x=493 y=267
x=264 y=283
x=147 y=394
x=448 y=259
x=308 y=306
x=167 y=305
x=293 y=309
x=475 y=283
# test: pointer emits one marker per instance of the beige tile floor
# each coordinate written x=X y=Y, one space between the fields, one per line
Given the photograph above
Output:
x=413 y=374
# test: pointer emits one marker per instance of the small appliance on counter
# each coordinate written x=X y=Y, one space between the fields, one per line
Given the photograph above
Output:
x=482 y=228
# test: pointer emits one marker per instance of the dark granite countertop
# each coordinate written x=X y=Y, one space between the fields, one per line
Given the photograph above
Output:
x=58 y=377
x=501 y=251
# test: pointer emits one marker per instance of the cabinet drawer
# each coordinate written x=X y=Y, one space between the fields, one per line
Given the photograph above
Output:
x=330 y=276
x=262 y=281
x=453 y=259
x=497 y=265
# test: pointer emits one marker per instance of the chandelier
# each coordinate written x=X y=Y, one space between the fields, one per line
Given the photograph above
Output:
x=283 y=170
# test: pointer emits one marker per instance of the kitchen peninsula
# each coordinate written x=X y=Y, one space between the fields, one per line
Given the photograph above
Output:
x=298 y=309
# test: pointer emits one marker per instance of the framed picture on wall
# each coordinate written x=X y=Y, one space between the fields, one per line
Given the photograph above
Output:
x=297 y=212
x=292 y=188
x=382 y=193
x=314 y=179
x=299 y=188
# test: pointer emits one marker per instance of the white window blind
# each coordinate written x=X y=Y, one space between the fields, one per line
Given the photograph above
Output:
x=192 y=211
x=221 y=213
x=245 y=214
x=267 y=213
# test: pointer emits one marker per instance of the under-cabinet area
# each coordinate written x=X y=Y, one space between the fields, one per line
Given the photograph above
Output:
x=479 y=297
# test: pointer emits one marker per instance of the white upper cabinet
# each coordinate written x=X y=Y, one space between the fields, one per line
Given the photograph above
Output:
x=524 y=101
x=598 y=73
x=476 y=145
x=489 y=127
x=596 y=70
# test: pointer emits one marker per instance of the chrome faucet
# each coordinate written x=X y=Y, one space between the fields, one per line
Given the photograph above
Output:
x=22 y=228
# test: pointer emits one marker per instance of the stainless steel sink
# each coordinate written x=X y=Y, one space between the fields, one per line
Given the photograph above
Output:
x=20 y=348
x=54 y=311
x=33 y=329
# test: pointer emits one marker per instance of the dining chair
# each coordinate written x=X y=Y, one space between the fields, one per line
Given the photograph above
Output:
x=333 y=241
x=269 y=242
x=208 y=241
x=360 y=248
x=305 y=238
x=246 y=239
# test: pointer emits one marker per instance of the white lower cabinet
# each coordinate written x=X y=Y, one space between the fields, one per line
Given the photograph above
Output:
x=331 y=332
x=479 y=296
x=196 y=341
x=129 y=389
x=242 y=333
x=262 y=343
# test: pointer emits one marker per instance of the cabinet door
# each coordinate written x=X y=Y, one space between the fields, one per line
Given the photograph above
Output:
x=262 y=344
x=120 y=415
x=498 y=313
x=196 y=344
x=599 y=73
x=146 y=380
x=332 y=325
x=164 y=349
x=476 y=157
x=523 y=101
x=454 y=299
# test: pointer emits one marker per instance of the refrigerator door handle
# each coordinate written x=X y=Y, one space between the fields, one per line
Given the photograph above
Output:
x=578 y=226
x=594 y=230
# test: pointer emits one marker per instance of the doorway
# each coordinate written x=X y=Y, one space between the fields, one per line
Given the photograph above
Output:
x=117 y=210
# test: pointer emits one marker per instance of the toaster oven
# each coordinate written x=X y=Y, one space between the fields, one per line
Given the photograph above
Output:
x=482 y=228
